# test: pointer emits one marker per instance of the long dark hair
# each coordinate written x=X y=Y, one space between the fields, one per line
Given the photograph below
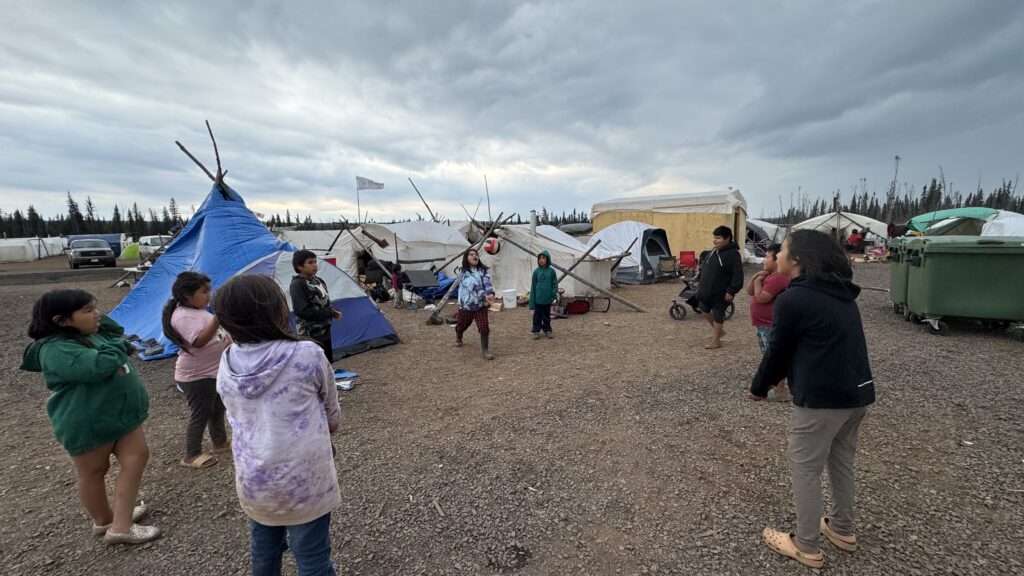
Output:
x=819 y=256
x=60 y=303
x=465 y=261
x=185 y=285
x=253 y=309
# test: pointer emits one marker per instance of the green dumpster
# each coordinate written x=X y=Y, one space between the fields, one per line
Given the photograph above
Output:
x=978 y=277
x=898 y=270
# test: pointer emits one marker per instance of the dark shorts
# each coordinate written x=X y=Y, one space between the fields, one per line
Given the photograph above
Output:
x=716 y=309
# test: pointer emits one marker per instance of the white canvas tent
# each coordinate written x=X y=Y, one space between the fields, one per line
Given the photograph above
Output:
x=842 y=223
x=29 y=249
x=420 y=244
x=512 y=268
x=345 y=252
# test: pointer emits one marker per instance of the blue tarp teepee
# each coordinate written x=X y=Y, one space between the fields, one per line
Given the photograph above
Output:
x=362 y=325
x=222 y=238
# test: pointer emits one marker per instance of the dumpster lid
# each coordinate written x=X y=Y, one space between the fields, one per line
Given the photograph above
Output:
x=972 y=244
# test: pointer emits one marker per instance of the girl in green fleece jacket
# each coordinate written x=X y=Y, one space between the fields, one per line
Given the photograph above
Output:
x=96 y=408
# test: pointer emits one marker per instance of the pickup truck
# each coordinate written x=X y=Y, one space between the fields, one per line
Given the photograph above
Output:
x=90 y=253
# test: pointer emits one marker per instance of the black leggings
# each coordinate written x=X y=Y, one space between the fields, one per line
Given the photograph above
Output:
x=205 y=409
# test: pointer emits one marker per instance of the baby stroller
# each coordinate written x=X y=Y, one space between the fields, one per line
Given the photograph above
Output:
x=688 y=296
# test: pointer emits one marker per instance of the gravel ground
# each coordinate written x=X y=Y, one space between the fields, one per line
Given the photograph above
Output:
x=619 y=447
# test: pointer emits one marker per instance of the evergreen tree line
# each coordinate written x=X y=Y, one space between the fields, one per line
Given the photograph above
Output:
x=897 y=208
x=307 y=223
x=79 y=220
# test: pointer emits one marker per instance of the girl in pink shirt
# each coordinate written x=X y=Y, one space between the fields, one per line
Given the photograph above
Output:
x=201 y=341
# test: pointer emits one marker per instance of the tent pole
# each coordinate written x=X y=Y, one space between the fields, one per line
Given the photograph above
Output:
x=479 y=243
x=429 y=211
x=336 y=238
x=580 y=259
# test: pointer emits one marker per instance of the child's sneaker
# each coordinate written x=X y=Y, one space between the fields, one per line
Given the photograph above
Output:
x=548 y=335
x=535 y=335
x=137 y=534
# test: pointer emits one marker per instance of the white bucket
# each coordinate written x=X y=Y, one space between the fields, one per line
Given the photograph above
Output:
x=508 y=299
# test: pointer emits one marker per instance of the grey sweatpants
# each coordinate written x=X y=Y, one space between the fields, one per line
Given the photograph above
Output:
x=820 y=436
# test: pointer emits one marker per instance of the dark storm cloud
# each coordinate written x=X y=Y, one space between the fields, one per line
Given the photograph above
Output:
x=559 y=103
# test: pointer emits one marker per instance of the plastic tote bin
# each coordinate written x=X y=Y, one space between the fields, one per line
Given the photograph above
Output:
x=508 y=299
x=899 y=268
x=976 y=277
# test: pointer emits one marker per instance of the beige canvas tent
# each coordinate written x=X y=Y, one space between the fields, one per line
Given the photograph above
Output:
x=687 y=219
x=421 y=245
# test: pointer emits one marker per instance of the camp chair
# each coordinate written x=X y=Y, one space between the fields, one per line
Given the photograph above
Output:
x=687 y=263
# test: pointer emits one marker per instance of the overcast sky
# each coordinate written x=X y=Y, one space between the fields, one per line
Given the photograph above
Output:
x=559 y=104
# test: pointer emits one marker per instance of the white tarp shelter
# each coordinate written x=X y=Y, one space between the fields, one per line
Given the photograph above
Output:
x=420 y=244
x=30 y=249
x=345 y=252
x=842 y=223
x=512 y=268
x=1004 y=223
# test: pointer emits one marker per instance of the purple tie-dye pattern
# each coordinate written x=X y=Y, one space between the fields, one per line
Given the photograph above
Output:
x=281 y=399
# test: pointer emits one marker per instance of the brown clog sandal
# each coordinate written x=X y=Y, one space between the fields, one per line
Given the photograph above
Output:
x=782 y=542
x=843 y=541
x=225 y=449
x=201 y=461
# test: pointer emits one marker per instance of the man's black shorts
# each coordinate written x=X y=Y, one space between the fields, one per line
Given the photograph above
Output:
x=717 y=310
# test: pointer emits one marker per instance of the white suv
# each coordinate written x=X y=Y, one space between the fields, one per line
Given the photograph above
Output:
x=150 y=244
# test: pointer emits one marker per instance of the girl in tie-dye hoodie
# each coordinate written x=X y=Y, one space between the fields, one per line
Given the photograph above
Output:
x=282 y=404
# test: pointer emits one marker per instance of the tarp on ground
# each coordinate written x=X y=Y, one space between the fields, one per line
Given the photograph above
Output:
x=362 y=326
x=221 y=238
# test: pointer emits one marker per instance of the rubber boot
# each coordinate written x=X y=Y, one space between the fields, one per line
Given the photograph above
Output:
x=484 y=340
x=458 y=339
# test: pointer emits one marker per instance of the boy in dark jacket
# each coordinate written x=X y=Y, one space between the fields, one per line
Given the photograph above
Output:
x=721 y=277
x=543 y=291
x=311 y=302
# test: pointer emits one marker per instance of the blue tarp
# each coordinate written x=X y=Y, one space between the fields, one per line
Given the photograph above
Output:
x=222 y=238
x=436 y=292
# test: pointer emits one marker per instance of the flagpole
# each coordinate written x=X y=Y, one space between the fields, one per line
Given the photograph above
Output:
x=357 y=201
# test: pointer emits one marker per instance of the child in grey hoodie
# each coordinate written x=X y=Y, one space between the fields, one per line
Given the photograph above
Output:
x=282 y=404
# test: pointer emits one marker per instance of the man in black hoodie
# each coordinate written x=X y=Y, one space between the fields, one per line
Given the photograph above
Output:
x=721 y=277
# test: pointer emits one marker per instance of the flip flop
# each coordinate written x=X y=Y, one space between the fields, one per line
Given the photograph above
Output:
x=199 y=462
x=842 y=541
x=782 y=542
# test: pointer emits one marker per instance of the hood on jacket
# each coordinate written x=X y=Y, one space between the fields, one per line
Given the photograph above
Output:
x=256 y=366
x=30 y=361
x=545 y=254
x=840 y=289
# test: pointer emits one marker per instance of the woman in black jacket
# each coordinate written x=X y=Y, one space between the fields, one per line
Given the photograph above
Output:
x=721 y=277
x=818 y=343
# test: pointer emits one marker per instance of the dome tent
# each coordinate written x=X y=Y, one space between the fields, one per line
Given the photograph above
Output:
x=362 y=326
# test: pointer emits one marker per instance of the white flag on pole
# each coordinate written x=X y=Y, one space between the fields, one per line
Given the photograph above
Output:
x=367 y=184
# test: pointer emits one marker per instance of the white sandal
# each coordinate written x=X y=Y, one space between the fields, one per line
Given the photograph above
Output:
x=138 y=513
x=137 y=534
